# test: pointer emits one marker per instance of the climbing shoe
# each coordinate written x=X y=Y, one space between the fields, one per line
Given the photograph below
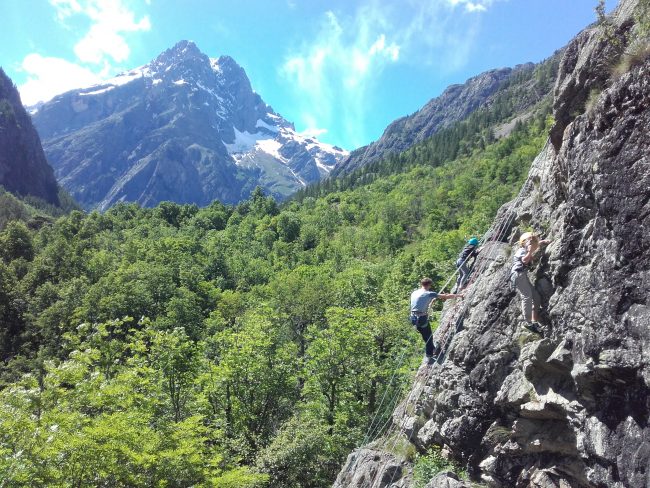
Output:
x=532 y=327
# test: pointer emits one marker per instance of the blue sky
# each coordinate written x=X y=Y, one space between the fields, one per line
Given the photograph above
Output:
x=340 y=69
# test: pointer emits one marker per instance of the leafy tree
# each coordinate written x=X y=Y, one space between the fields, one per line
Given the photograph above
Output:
x=176 y=358
x=16 y=242
x=252 y=384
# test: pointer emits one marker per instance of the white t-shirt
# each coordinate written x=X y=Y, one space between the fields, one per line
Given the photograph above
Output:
x=420 y=300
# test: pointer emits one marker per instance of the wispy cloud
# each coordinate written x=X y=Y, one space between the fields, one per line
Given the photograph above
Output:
x=472 y=5
x=336 y=72
x=339 y=64
x=49 y=76
x=109 y=20
x=98 y=52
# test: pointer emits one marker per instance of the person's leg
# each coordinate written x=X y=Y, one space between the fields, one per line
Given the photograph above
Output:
x=463 y=275
x=459 y=276
x=525 y=289
x=426 y=334
x=536 y=303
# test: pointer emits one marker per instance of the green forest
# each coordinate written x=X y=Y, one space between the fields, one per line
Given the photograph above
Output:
x=231 y=346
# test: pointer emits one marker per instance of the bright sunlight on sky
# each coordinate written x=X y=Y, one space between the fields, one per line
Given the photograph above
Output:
x=340 y=69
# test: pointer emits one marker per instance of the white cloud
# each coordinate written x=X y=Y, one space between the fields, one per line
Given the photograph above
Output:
x=312 y=132
x=66 y=8
x=475 y=7
x=48 y=77
x=336 y=72
x=340 y=65
x=472 y=6
x=101 y=46
x=110 y=19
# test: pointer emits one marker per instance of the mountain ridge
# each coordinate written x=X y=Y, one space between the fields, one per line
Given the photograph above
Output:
x=182 y=118
x=455 y=104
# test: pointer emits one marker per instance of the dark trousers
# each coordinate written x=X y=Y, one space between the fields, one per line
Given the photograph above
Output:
x=463 y=275
x=421 y=323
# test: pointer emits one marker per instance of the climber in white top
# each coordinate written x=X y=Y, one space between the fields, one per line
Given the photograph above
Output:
x=530 y=300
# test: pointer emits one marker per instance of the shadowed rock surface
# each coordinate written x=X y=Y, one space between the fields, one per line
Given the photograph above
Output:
x=569 y=409
x=23 y=167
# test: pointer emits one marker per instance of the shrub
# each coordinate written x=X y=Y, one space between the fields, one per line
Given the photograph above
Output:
x=428 y=465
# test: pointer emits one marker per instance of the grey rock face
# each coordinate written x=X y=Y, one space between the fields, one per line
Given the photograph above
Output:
x=185 y=128
x=23 y=167
x=446 y=480
x=378 y=469
x=571 y=408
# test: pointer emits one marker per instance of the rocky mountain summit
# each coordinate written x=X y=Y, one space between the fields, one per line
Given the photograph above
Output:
x=569 y=407
x=185 y=128
x=23 y=167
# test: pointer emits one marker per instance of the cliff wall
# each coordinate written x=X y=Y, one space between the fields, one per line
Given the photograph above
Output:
x=23 y=167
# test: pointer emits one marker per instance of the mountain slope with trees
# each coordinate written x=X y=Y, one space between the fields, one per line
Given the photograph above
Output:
x=509 y=106
x=503 y=94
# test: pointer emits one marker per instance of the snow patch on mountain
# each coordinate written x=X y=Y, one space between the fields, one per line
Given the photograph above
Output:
x=272 y=147
x=127 y=77
x=323 y=167
x=214 y=64
x=97 y=92
x=244 y=141
x=283 y=143
x=272 y=128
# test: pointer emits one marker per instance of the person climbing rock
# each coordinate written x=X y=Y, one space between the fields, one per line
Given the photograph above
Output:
x=529 y=243
x=470 y=251
x=421 y=298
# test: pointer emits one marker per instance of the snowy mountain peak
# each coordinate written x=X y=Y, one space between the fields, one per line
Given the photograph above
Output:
x=287 y=146
x=184 y=127
x=181 y=51
x=226 y=62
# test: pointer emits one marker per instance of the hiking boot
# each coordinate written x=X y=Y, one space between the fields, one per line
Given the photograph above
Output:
x=532 y=327
x=430 y=359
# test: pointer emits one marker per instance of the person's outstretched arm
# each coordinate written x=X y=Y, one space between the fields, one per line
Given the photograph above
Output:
x=447 y=296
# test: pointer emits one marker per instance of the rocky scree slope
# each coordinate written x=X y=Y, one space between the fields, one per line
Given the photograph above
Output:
x=522 y=86
x=23 y=167
x=569 y=409
x=185 y=128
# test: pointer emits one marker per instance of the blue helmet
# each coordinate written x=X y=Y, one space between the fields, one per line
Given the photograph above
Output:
x=473 y=241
